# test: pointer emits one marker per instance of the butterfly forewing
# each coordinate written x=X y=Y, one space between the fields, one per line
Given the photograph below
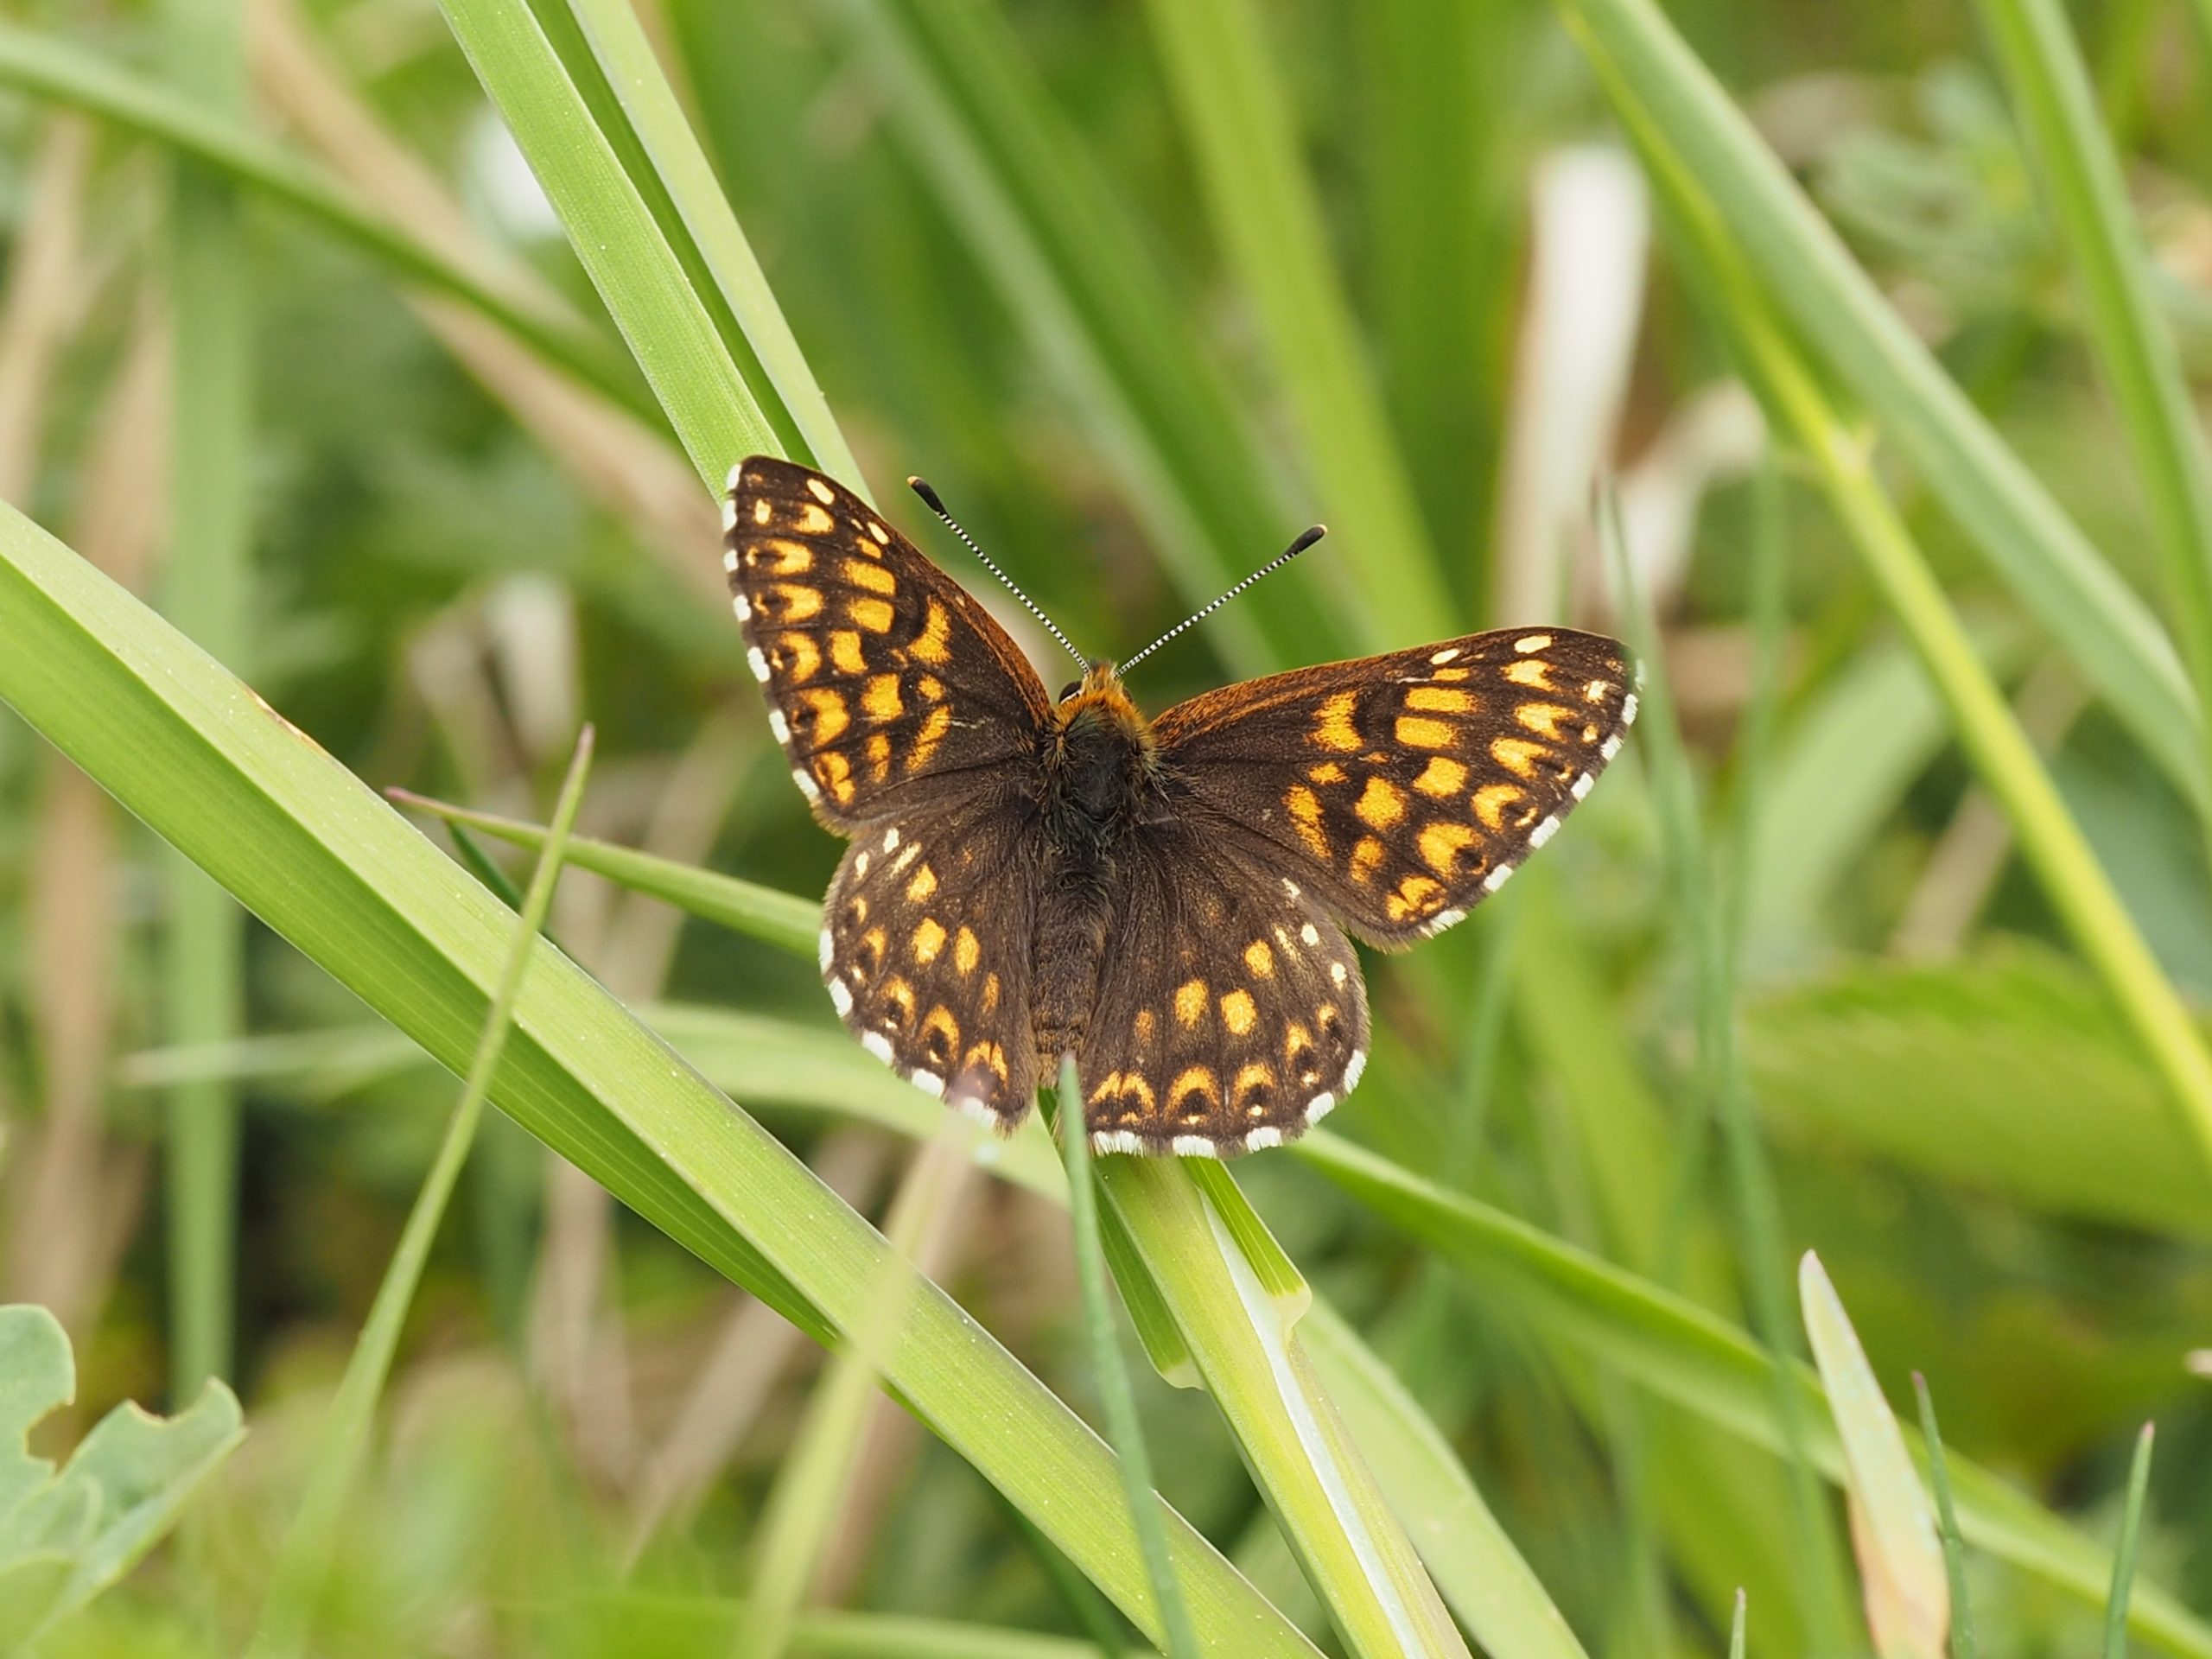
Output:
x=1230 y=1014
x=882 y=676
x=1401 y=790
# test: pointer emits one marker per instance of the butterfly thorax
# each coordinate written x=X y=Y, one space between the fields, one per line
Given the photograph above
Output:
x=1100 y=768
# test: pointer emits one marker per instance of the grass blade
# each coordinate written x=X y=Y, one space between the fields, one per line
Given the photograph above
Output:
x=52 y=68
x=1240 y=1333
x=1963 y=1645
x=205 y=582
x=1239 y=124
x=1115 y=1398
x=303 y=1561
x=2123 y=1559
x=2056 y=109
x=1902 y=1577
x=1024 y=195
x=646 y=288
x=673 y=178
x=814 y=1480
x=1658 y=84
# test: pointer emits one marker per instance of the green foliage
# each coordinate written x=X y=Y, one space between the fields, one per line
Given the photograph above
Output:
x=66 y=1535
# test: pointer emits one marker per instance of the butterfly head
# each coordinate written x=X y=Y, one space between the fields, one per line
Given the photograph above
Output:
x=1097 y=697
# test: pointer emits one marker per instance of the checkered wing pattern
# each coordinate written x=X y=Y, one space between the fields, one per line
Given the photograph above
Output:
x=1230 y=1012
x=1395 y=793
x=925 y=950
x=883 y=677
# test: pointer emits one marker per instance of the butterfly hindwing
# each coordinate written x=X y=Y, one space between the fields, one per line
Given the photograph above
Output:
x=882 y=676
x=1229 y=1014
x=925 y=952
x=1401 y=790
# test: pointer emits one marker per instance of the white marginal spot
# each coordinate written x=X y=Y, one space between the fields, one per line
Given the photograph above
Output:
x=1261 y=1139
x=779 y=726
x=974 y=1106
x=881 y=535
x=1542 y=833
x=1310 y=934
x=1610 y=747
x=730 y=560
x=742 y=605
x=928 y=1082
x=890 y=839
x=820 y=491
x=1353 y=1067
x=1337 y=974
x=840 y=998
x=757 y=662
x=1317 y=1107
x=1497 y=878
x=1116 y=1140
x=825 y=951
x=1529 y=642
x=729 y=521
x=1442 y=919
x=878 y=1044
x=1192 y=1146
x=1627 y=709
x=1581 y=786
x=860 y=865
x=730 y=483
x=1444 y=657
x=807 y=787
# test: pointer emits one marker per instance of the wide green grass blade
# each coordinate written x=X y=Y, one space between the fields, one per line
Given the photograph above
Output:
x=303 y=1561
x=1240 y=1332
x=1491 y=1588
x=1804 y=268
x=645 y=285
x=635 y=107
x=50 y=68
x=206 y=582
x=1238 y=118
x=333 y=869
x=2086 y=193
x=1070 y=265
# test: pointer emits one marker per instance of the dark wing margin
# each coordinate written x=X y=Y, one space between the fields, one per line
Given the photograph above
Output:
x=882 y=674
x=1231 y=1014
x=1400 y=790
x=925 y=949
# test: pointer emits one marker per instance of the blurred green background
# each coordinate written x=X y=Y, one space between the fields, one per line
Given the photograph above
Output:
x=1030 y=250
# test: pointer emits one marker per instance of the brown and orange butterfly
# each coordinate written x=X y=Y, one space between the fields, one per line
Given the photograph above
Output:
x=1166 y=901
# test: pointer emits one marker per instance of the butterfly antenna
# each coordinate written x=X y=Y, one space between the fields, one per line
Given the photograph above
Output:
x=1306 y=539
x=930 y=498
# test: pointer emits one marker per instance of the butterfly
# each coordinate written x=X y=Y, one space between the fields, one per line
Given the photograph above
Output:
x=1032 y=876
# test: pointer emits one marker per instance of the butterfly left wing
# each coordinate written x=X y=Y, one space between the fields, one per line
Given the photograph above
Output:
x=1399 y=791
x=884 y=677
x=1229 y=1013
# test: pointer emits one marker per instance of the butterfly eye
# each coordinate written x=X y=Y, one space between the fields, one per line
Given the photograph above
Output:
x=1068 y=690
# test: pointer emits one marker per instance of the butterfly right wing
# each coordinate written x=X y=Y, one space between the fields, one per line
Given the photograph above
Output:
x=1400 y=790
x=882 y=675
x=925 y=950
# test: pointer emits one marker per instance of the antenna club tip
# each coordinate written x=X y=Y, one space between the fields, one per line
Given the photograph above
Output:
x=921 y=487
